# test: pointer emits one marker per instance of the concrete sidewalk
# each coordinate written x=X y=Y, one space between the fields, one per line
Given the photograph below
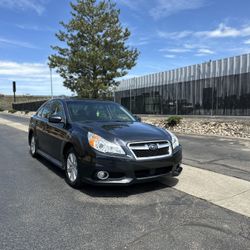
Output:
x=224 y=191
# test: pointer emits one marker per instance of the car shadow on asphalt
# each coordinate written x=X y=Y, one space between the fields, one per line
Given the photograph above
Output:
x=56 y=170
x=115 y=191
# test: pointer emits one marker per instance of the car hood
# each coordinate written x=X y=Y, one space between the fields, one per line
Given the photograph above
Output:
x=126 y=131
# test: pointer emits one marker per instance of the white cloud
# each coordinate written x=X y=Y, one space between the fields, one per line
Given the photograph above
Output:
x=174 y=35
x=225 y=31
x=194 y=46
x=175 y=50
x=34 y=5
x=166 y=8
x=16 y=43
x=200 y=54
x=206 y=43
x=247 y=42
x=33 y=78
x=170 y=56
x=162 y=8
x=206 y=51
x=239 y=50
x=188 y=48
x=35 y=27
x=23 y=69
x=222 y=31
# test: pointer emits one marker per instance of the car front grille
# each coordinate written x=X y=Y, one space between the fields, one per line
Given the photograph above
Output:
x=150 y=149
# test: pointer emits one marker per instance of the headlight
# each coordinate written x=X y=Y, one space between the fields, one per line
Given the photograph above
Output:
x=104 y=146
x=175 y=141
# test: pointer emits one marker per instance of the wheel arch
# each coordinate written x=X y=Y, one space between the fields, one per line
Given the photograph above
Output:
x=76 y=141
x=66 y=147
x=31 y=132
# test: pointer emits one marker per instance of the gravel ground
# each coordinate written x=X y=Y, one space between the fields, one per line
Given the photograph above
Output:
x=206 y=126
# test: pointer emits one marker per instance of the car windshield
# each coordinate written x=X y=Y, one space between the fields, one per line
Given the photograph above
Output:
x=98 y=111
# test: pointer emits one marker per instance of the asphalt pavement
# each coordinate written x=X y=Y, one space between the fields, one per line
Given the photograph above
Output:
x=229 y=156
x=38 y=210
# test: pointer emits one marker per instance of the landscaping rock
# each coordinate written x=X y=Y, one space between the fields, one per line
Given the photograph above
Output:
x=206 y=126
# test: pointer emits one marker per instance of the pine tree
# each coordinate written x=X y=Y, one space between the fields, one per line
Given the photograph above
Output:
x=95 y=51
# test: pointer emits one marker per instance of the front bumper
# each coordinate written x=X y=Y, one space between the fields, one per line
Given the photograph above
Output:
x=126 y=171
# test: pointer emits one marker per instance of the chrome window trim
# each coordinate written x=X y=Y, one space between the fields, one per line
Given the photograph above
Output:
x=145 y=147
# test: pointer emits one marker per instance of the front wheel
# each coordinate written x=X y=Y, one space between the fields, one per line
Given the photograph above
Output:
x=33 y=146
x=72 y=170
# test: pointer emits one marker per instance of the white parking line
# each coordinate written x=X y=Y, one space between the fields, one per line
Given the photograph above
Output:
x=225 y=191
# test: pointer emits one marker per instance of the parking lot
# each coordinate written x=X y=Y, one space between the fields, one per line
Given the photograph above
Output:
x=205 y=208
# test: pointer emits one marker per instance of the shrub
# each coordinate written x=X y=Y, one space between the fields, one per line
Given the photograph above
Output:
x=12 y=111
x=173 y=120
x=26 y=112
x=1 y=110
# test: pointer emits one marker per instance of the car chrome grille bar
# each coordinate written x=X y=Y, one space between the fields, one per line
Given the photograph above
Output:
x=150 y=149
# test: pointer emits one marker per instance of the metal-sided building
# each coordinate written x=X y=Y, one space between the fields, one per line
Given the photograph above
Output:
x=220 y=87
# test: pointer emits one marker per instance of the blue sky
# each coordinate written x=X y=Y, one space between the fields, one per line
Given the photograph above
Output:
x=168 y=34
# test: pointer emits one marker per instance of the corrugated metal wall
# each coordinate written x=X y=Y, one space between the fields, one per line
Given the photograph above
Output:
x=219 y=87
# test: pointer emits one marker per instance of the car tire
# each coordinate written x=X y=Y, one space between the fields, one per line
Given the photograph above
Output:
x=33 y=146
x=73 y=172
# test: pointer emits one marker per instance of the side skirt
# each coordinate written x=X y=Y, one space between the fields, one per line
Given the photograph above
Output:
x=50 y=158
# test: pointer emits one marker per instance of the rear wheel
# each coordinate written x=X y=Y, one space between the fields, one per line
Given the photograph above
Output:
x=33 y=146
x=72 y=170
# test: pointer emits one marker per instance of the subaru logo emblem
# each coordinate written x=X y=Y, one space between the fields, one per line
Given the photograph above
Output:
x=153 y=146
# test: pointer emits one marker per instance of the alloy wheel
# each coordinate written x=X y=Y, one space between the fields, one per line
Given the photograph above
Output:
x=33 y=146
x=72 y=171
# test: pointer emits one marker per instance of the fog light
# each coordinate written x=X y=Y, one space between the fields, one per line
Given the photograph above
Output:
x=102 y=175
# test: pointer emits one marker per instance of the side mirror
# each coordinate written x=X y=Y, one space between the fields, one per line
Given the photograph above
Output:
x=137 y=118
x=55 y=119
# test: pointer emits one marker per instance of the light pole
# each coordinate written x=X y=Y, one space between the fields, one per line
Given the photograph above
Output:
x=51 y=83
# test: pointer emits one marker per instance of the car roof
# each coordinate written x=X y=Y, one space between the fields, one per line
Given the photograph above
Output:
x=67 y=100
